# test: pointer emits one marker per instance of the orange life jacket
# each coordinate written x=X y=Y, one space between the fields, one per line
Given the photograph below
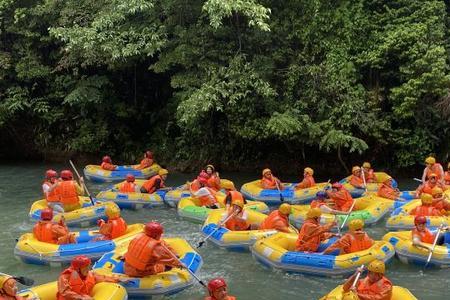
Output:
x=380 y=290
x=214 y=182
x=356 y=181
x=145 y=163
x=388 y=192
x=447 y=177
x=69 y=193
x=343 y=200
x=149 y=185
x=426 y=236
x=52 y=196
x=78 y=285
x=436 y=169
x=317 y=203
x=269 y=183
x=107 y=166
x=275 y=220
x=359 y=244
x=140 y=252
x=370 y=176
x=195 y=186
x=235 y=224
x=236 y=196
x=307 y=182
x=127 y=187
x=214 y=298
x=210 y=199
x=309 y=237
x=4 y=296
x=425 y=211
x=118 y=228
x=43 y=232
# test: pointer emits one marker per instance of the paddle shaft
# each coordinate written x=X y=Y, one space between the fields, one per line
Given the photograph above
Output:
x=82 y=183
x=364 y=179
x=418 y=180
x=218 y=226
x=279 y=190
x=349 y=212
x=434 y=246
x=357 y=278
x=184 y=266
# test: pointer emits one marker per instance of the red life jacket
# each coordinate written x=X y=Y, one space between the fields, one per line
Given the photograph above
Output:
x=359 y=244
x=127 y=187
x=69 y=193
x=214 y=182
x=43 y=232
x=78 y=285
x=343 y=199
x=149 y=185
x=356 y=181
x=118 y=228
x=425 y=236
x=107 y=166
x=140 y=252
x=380 y=290
x=269 y=183
x=52 y=196
x=274 y=221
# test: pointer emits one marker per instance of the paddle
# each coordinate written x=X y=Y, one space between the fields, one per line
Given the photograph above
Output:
x=434 y=246
x=184 y=266
x=200 y=244
x=21 y=279
x=279 y=190
x=364 y=179
x=418 y=180
x=349 y=212
x=82 y=183
x=359 y=272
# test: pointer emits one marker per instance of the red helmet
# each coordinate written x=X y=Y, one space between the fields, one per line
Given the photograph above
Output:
x=130 y=178
x=153 y=230
x=80 y=261
x=46 y=214
x=215 y=284
x=106 y=159
x=66 y=174
x=420 y=220
x=337 y=185
x=149 y=154
x=51 y=174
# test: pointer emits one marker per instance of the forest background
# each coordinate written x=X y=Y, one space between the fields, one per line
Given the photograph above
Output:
x=238 y=83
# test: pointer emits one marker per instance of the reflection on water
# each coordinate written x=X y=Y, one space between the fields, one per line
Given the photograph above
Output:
x=20 y=186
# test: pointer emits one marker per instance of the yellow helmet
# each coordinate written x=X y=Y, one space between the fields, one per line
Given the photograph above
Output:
x=3 y=279
x=210 y=166
x=356 y=224
x=356 y=169
x=366 y=165
x=238 y=203
x=426 y=198
x=162 y=172
x=227 y=185
x=314 y=213
x=377 y=266
x=266 y=171
x=285 y=208
x=112 y=211
x=309 y=171
x=436 y=191
x=430 y=160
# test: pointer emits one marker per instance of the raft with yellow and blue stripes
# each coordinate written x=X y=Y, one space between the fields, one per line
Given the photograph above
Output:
x=97 y=174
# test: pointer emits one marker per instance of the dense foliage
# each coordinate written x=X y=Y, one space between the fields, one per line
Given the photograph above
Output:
x=228 y=81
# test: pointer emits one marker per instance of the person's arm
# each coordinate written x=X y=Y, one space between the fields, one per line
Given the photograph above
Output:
x=80 y=190
x=348 y=284
x=418 y=243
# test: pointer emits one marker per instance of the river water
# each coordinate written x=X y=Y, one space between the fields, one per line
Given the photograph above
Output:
x=247 y=279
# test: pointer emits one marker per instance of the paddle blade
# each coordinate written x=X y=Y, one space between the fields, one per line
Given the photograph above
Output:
x=200 y=244
x=24 y=280
x=281 y=198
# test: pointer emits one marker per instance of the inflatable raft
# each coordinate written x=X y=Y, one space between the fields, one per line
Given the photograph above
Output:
x=31 y=251
x=371 y=187
x=97 y=174
x=403 y=198
x=368 y=208
x=401 y=219
x=87 y=215
x=398 y=293
x=254 y=191
x=189 y=208
x=175 y=195
x=277 y=252
x=132 y=200
x=235 y=240
x=166 y=283
x=101 y=291
x=409 y=254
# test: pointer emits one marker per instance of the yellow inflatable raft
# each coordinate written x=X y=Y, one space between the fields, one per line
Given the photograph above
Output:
x=235 y=240
x=29 y=250
x=101 y=291
x=401 y=219
x=165 y=283
x=409 y=254
x=278 y=252
x=371 y=187
x=398 y=293
x=368 y=208
x=97 y=174
x=189 y=208
x=174 y=196
x=83 y=217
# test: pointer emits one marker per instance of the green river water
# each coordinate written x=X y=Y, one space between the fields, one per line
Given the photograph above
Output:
x=247 y=279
